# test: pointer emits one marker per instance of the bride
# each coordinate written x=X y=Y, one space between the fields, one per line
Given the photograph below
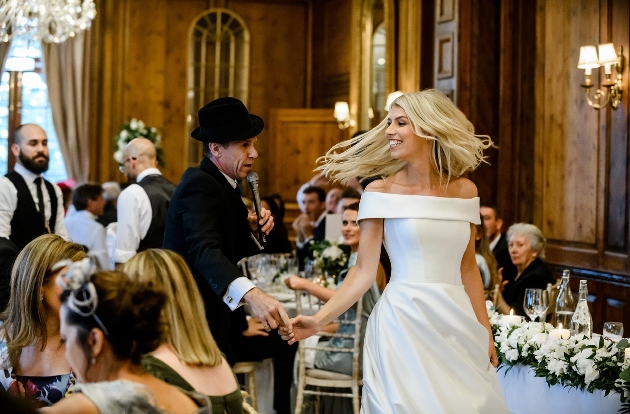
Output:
x=428 y=345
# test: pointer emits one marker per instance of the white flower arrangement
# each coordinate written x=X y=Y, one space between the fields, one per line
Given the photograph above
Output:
x=135 y=128
x=586 y=363
x=329 y=257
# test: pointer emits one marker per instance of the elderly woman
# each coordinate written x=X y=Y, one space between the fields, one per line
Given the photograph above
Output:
x=32 y=353
x=107 y=323
x=526 y=245
x=188 y=356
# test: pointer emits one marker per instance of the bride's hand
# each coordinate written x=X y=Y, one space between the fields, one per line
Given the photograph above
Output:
x=492 y=353
x=303 y=327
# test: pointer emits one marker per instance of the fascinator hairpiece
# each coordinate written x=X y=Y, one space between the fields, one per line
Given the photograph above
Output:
x=83 y=298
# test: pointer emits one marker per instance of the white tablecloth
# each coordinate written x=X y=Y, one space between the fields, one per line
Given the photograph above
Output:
x=526 y=394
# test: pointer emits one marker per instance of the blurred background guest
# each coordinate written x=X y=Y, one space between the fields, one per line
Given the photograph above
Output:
x=32 y=351
x=66 y=188
x=82 y=226
x=108 y=322
x=188 y=356
x=332 y=198
x=310 y=225
x=527 y=249
x=498 y=242
x=485 y=259
x=277 y=198
x=347 y=197
x=278 y=237
x=111 y=191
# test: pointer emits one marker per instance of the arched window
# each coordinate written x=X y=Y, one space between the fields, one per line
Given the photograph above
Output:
x=218 y=64
x=24 y=100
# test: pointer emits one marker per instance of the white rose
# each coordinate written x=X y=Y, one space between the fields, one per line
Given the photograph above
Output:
x=511 y=355
x=123 y=134
x=133 y=124
x=332 y=252
x=158 y=139
x=153 y=129
x=118 y=157
x=140 y=125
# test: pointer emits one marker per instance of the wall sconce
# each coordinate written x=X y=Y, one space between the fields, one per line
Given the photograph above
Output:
x=342 y=115
x=607 y=58
x=391 y=98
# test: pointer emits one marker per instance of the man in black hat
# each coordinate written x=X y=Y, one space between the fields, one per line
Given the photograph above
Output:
x=209 y=225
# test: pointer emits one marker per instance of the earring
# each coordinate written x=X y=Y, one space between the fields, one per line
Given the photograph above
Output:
x=93 y=360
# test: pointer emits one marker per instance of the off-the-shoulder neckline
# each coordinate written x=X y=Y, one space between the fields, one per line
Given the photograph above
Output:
x=419 y=195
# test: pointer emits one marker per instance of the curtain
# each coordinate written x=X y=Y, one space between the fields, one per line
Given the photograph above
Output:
x=4 y=53
x=67 y=68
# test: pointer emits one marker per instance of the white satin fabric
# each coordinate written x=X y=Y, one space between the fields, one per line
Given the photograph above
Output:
x=425 y=351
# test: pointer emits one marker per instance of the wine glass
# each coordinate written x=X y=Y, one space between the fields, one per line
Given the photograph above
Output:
x=531 y=302
x=613 y=331
x=292 y=265
x=254 y=268
x=542 y=305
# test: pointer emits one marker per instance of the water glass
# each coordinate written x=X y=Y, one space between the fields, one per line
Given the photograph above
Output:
x=535 y=303
x=613 y=331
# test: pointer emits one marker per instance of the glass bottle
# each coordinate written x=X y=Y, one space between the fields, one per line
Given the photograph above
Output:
x=565 y=304
x=582 y=322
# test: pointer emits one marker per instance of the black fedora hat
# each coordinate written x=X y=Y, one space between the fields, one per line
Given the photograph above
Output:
x=226 y=119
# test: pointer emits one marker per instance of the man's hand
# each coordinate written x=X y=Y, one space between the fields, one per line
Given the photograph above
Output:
x=254 y=328
x=303 y=227
x=296 y=282
x=266 y=221
x=268 y=310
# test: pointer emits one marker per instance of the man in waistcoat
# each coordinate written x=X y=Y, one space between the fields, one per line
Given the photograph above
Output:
x=29 y=205
x=209 y=225
x=142 y=206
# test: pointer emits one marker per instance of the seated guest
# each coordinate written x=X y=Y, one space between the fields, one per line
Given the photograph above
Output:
x=188 y=356
x=277 y=198
x=341 y=361
x=485 y=259
x=111 y=191
x=278 y=237
x=107 y=323
x=82 y=226
x=347 y=197
x=32 y=353
x=527 y=247
x=332 y=198
x=493 y=224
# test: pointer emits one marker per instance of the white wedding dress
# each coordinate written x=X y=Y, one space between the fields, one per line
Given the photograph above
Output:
x=425 y=351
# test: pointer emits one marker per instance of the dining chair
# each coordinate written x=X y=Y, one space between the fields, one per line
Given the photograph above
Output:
x=247 y=369
x=247 y=409
x=316 y=379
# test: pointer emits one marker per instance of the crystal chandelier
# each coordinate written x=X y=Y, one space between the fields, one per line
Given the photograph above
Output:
x=45 y=20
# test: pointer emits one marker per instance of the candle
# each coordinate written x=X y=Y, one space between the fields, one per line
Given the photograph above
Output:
x=511 y=319
x=559 y=333
x=626 y=353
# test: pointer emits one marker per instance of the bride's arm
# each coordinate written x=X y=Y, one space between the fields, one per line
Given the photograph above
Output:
x=359 y=279
x=473 y=285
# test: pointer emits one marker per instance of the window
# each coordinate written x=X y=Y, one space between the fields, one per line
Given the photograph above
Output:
x=23 y=100
x=218 y=65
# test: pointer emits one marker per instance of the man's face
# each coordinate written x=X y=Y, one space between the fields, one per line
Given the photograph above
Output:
x=236 y=160
x=32 y=149
x=344 y=203
x=314 y=207
x=490 y=221
x=97 y=206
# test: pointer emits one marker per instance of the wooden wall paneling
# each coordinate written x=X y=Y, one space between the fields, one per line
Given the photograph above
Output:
x=297 y=138
x=278 y=66
x=409 y=62
x=445 y=47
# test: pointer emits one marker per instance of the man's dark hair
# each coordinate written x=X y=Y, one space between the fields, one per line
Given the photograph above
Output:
x=321 y=194
x=497 y=212
x=83 y=193
x=353 y=206
x=350 y=193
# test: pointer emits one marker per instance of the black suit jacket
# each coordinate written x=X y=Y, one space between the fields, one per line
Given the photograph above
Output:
x=502 y=254
x=207 y=224
x=304 y=252
x=535 y=275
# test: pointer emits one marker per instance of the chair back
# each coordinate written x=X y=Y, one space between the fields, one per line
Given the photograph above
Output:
x=552 y=291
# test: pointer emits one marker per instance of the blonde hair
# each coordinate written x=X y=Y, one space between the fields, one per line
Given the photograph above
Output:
x=433 y=116
x=25 y=316
x=188 y=333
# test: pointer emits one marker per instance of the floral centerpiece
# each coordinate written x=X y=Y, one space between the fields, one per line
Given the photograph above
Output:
x=580 y=362
x=137 y=129
x=329 y=257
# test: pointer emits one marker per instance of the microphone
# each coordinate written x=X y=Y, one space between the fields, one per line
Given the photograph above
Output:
x=252 y=180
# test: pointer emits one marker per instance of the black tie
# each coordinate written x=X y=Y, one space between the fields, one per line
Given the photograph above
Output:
x=40 y=199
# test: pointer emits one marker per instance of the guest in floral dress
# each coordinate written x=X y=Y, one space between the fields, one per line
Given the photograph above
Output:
x=32 y=359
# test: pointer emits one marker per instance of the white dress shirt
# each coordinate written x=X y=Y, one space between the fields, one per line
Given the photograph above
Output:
x=494 y=242
x=134 y=218
x=84 y=229
x=8 y=202
x=233 y=297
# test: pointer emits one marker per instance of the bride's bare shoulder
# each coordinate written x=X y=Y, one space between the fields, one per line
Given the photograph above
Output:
x=377 y=186
x=461 y=187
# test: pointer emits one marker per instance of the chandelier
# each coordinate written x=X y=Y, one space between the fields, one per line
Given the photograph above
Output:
x=45 y=20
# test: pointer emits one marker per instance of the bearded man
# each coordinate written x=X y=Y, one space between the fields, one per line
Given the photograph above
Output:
x=29 y=205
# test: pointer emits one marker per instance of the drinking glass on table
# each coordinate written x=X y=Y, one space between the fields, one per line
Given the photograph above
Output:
x=535 y=302
x=613 y=331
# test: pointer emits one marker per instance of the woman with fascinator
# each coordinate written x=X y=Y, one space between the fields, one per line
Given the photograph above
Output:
x=107 y=323
x=428 y=345
x=32 y=360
